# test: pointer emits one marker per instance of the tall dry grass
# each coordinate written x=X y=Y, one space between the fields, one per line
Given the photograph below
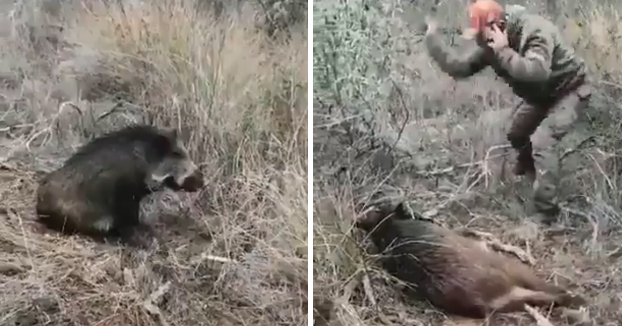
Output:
x=236 y=253
x=390 y=126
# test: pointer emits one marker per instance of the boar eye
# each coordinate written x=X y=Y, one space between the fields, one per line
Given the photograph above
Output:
x=176 y=154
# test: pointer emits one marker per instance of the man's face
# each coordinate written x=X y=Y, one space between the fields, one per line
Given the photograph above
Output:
x=481 y=37
x=479 y=33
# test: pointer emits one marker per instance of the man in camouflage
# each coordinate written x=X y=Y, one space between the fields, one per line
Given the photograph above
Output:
x=528 y=53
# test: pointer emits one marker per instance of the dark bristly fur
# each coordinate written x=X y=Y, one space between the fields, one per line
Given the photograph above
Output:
x=98 y=190
x=455 y=273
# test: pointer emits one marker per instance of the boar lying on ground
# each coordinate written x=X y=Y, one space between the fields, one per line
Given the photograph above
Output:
x=457 y=274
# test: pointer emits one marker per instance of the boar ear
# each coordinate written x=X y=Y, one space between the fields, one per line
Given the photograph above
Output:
x=402 y=212
x=170 y=133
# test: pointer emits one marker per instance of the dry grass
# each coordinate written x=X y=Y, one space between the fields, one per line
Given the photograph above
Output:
x=389 y=125
x=234 y=254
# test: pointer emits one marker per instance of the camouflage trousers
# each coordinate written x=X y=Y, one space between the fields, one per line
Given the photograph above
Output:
x=535 y=133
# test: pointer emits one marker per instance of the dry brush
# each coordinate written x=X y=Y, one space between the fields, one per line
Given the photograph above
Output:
x=236 y=253
x=389 y=125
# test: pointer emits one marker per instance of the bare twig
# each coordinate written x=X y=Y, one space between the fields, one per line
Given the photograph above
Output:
x=605 y=174
x=349 y=288
x=109 y=112
x=369 y=292
x=204 y=256
x=150 y=305
x=406 y=119
x=497 y=245
x=539 y=318
x=482 y=163
x=577 y=148
x=591 y=220
x=220 y=259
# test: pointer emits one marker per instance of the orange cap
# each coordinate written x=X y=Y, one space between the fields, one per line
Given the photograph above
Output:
x=481 y=12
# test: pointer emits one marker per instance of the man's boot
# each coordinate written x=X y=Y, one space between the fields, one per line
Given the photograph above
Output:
x=525 y=163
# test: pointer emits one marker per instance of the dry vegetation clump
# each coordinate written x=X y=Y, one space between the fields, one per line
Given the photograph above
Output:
x=234 y=253
x=390 y=126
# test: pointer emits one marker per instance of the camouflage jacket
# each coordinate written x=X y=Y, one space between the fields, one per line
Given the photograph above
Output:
x=537 y=65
